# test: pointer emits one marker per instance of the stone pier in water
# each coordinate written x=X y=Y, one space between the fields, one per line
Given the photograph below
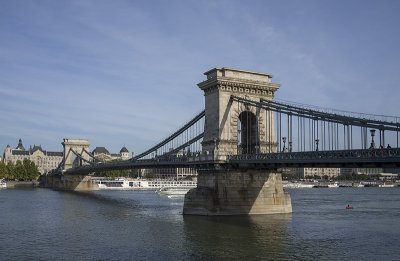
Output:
x=237 y=192
x=69 y=182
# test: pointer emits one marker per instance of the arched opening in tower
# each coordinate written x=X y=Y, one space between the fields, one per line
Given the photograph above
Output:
x=248 y=140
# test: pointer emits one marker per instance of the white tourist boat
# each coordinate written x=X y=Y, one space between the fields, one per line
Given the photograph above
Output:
x=173 y=191
x=333 y=185
x=2 y=184
x=126 y=184
x=292 y=185
x=386 y=185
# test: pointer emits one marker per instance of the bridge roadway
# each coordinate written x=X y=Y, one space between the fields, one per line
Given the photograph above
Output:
x=378 y=158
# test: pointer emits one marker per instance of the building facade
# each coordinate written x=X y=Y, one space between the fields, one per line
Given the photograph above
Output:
x=321 y=172
x=103 y=154
x=367 y=171
x=45 y=160
x=170 y=173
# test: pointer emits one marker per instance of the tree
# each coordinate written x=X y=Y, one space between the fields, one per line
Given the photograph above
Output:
x=288 y=176
x=346 y=176
x=149 y=176
x=20 y=171
x=26 y=170
x=116 y=172
x=32 y=170
x=27 y=166
x=3 y=170
x=134 y=173
x=10 y=174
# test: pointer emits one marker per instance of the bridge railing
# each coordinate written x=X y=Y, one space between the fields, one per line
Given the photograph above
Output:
x=321 y=156
x=296 y=128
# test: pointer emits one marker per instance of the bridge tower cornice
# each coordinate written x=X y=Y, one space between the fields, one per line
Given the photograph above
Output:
x=238 y=81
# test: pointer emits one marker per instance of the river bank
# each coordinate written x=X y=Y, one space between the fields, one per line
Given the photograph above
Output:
x=21 y=184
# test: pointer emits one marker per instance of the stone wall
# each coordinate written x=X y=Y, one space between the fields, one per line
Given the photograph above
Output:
x=69 y=182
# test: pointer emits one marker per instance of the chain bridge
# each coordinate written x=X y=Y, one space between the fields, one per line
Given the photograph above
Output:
x=243 y=136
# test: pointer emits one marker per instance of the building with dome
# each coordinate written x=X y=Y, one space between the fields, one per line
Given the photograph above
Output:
x=45 y=160
x=103 y=154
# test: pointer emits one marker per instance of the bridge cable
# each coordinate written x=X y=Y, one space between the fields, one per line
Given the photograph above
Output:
x=92 y=156
x=171 y=137
x=81 y=158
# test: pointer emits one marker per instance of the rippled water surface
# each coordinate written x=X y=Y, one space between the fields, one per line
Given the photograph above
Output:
x=141 y=225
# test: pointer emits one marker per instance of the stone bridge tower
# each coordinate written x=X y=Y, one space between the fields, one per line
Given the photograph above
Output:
x=67 y=181
x=78 y=145
x=231 y=127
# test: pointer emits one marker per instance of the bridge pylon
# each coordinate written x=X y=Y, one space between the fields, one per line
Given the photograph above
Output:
x=232 y=127
x=79 y=146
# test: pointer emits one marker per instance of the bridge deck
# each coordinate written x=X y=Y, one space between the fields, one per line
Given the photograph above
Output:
x=342 y=158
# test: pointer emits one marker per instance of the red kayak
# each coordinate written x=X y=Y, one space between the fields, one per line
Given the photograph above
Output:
x=349 y=207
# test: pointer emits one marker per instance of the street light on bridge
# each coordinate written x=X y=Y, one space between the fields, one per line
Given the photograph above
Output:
x=372 y=136
x=284 y=144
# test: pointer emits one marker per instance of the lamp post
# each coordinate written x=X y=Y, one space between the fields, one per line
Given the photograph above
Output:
x=284 y=144
x=316 y=143
x=372 y=136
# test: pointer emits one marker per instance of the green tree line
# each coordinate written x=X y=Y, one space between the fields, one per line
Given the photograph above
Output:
x=118 y=173
x=344 y=176
x=131 y=173
x=25 y=170
x=353 y=176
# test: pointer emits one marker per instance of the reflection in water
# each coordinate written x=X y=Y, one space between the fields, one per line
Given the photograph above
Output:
x=223 y=237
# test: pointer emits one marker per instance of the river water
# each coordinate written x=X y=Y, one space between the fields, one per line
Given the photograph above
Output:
x=141 y=225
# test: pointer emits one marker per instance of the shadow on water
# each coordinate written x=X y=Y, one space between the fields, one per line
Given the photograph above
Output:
x=107 y=199
x=109 y=205
x=238 y=237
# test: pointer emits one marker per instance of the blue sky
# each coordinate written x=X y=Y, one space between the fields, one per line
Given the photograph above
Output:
x=125 y=72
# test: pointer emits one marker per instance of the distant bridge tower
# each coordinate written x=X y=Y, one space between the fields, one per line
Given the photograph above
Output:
x=231 y=127
x=78 y=145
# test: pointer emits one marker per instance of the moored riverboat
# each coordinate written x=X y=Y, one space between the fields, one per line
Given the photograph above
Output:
x=173 y=191
x=386 y=185
x=292 y=185
x=358 y=185
x=2 y=184
x=127 y=184
x=333 y=185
